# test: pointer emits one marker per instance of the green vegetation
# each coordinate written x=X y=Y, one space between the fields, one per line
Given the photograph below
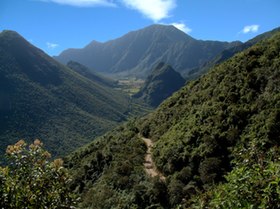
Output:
x=226 y=54
x=160 y=84
x=235 y=104
x=254 y=182
x=31 y=181
x=41 y=98
x=109 y=172
x=130 y=85
x=216 y=141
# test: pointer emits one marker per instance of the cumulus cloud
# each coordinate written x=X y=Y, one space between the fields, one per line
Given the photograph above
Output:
x=182 y=27
x=51 y=45
x=152 y=9
x=250 y=29
x=83 y=3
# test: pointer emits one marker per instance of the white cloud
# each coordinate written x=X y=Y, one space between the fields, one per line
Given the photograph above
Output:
x=83 y=3
x=152 y=9
x=250 y=29
x=182 y=27
x=51 y=45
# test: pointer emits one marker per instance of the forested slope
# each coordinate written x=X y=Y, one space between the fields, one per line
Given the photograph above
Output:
x=41 y=98
x=216 y=141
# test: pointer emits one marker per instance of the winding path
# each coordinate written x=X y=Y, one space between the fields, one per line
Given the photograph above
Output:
x=149 y=164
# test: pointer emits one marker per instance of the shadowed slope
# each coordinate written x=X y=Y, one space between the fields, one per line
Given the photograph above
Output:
x=41 y=98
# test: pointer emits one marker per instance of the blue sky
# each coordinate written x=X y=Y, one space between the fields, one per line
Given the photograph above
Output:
x=55 y=25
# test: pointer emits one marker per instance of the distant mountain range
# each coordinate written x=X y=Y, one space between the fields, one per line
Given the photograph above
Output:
x=41 y=98
x=226 y=54
x=160 y=84
x=136 y=52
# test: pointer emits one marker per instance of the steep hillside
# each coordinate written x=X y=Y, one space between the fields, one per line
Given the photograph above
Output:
x=40 y=98
x=223 y=127
x=226 y=54
x=135 y=52
x=90 y=74
x=160 y=84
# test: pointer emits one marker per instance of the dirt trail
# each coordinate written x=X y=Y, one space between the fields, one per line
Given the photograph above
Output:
x=149 y=164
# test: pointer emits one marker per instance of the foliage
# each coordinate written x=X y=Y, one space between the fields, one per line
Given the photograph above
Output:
x=41 y=98
x=227 y=54
x=253 y=183
x=31 y=181
x=215 y=134
x=256 y=187
x=108 y=173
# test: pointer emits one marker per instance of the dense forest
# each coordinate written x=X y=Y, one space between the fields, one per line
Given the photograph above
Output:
x=216 y=141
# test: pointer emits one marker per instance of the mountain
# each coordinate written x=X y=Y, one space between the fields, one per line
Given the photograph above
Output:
x=160 y=84
x=41 y=98
x=216 y=142
x=228 y=53
x=134 y=53
x=90 y=74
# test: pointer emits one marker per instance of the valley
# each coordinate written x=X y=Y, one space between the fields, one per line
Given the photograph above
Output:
x=130 y=86
x=179 y=123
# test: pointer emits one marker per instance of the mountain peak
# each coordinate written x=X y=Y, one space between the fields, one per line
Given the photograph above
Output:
x=134 y=53
x=160 y=26
x=160 y=84
x=9 y=32
x=14 y=42
x=163 y=67
x=11 y=35
x=160 y=65
x=93 y=43
x=167 y=30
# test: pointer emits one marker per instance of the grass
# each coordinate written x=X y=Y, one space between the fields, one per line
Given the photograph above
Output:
x=130 y=85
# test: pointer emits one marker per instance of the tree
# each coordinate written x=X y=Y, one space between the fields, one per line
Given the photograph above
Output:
x=30 y=180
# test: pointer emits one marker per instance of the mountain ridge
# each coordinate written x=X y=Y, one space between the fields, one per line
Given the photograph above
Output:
x=228 y=53
x=160 y=84
x=41 y=98
x=135 y=52
x=91 y=74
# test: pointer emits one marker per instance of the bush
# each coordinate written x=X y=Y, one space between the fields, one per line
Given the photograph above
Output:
x=253 y=183
x=30 y=180
x=210 y=170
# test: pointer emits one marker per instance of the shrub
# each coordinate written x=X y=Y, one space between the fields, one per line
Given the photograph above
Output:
x=210 y=170
x=30 y=180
